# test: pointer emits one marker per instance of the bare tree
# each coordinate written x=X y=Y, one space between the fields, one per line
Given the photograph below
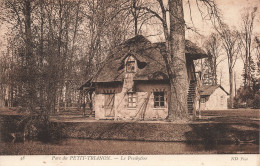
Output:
x=213 y=46
x=106 y=28
x=21 y=17
x=258 y=53
x=246 y=37
x=43 y=35
x=231 y=45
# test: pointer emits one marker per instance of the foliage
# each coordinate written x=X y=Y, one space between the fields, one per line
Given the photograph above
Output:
x=248 y=96
x=249 y=72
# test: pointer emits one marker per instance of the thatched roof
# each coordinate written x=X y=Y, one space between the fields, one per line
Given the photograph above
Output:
x=149 y=58
x=207 y=90
x=192 y=51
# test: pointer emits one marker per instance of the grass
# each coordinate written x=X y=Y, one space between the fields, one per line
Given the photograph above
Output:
x=245 y=113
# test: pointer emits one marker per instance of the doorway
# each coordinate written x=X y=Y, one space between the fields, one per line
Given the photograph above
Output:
x=109 y=105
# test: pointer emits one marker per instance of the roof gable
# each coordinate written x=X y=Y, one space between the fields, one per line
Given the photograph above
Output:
x=207 y=90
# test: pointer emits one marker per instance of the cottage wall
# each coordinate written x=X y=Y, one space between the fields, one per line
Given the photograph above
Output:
x=144 y=109
x=216 y=101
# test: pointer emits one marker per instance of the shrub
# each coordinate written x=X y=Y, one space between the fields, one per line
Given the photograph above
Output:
x=256 y=101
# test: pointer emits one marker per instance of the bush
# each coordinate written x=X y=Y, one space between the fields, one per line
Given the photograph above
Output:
x=256 y=101
x=247 y=98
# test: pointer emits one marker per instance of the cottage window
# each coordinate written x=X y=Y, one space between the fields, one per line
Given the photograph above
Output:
x=130 y=66
x=222 y=100
x=159 y=99
x=203 y=100
x=132 y=99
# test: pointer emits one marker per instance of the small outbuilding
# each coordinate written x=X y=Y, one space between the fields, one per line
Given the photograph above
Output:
x=213 y=97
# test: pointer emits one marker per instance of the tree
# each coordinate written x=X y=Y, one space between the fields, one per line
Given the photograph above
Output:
x=231 y=45
x=64 y=33
x=213 y=46
x=176 y=62
x=258 y=54
x=21 y=16
x=42 y=37
x=246 y=37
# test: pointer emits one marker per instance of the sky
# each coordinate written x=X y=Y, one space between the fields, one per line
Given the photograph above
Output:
x=231 y=10
x=232 y=16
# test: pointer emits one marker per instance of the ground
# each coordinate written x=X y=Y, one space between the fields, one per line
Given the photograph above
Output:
x=74 y=115
x=207 y=115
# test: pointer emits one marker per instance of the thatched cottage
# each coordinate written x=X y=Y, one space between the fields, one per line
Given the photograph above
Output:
x=133 y=82
x=213 y=97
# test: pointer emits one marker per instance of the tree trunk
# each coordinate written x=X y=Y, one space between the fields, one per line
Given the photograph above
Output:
x=135 y=16
x=231 y=82
x=246 y=83
x=235 y=82
x=215 y=78
x=30 y=85
x=178 y=109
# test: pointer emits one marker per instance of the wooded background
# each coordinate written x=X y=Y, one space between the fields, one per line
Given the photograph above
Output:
x=53 y=46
